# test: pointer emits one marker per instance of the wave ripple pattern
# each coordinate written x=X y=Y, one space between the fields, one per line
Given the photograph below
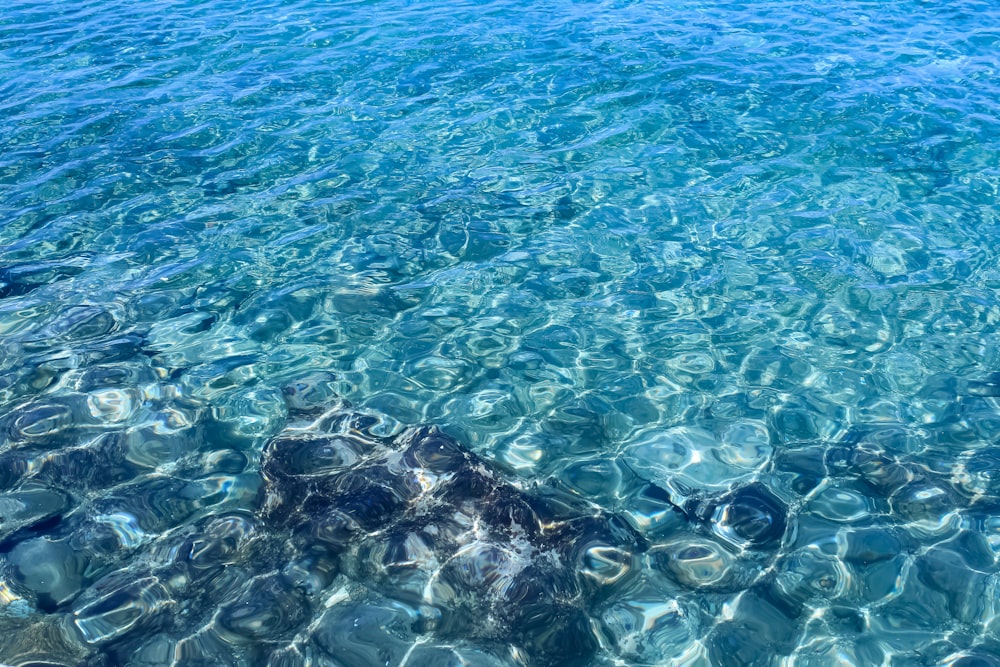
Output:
x=500 y=333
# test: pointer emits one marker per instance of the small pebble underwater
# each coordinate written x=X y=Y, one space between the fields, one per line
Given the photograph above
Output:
x=499 y=333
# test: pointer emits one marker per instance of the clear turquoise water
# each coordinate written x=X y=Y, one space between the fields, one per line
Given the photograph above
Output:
x=710 y=290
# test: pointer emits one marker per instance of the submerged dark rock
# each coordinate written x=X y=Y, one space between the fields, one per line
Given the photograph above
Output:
x=425 y=522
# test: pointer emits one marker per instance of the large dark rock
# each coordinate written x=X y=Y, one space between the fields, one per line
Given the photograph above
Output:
x=428 y=523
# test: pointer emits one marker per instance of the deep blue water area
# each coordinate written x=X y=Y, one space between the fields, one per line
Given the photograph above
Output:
x=500 y=333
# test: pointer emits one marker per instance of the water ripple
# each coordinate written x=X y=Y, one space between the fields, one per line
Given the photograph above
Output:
x=709 y=290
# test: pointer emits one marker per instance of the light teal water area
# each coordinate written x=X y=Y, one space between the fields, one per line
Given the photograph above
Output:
x=500 y=333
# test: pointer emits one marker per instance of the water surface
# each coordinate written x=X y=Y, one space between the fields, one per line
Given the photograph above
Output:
x=710 y=287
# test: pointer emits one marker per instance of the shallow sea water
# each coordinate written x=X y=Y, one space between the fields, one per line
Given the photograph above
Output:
x=500 y=333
